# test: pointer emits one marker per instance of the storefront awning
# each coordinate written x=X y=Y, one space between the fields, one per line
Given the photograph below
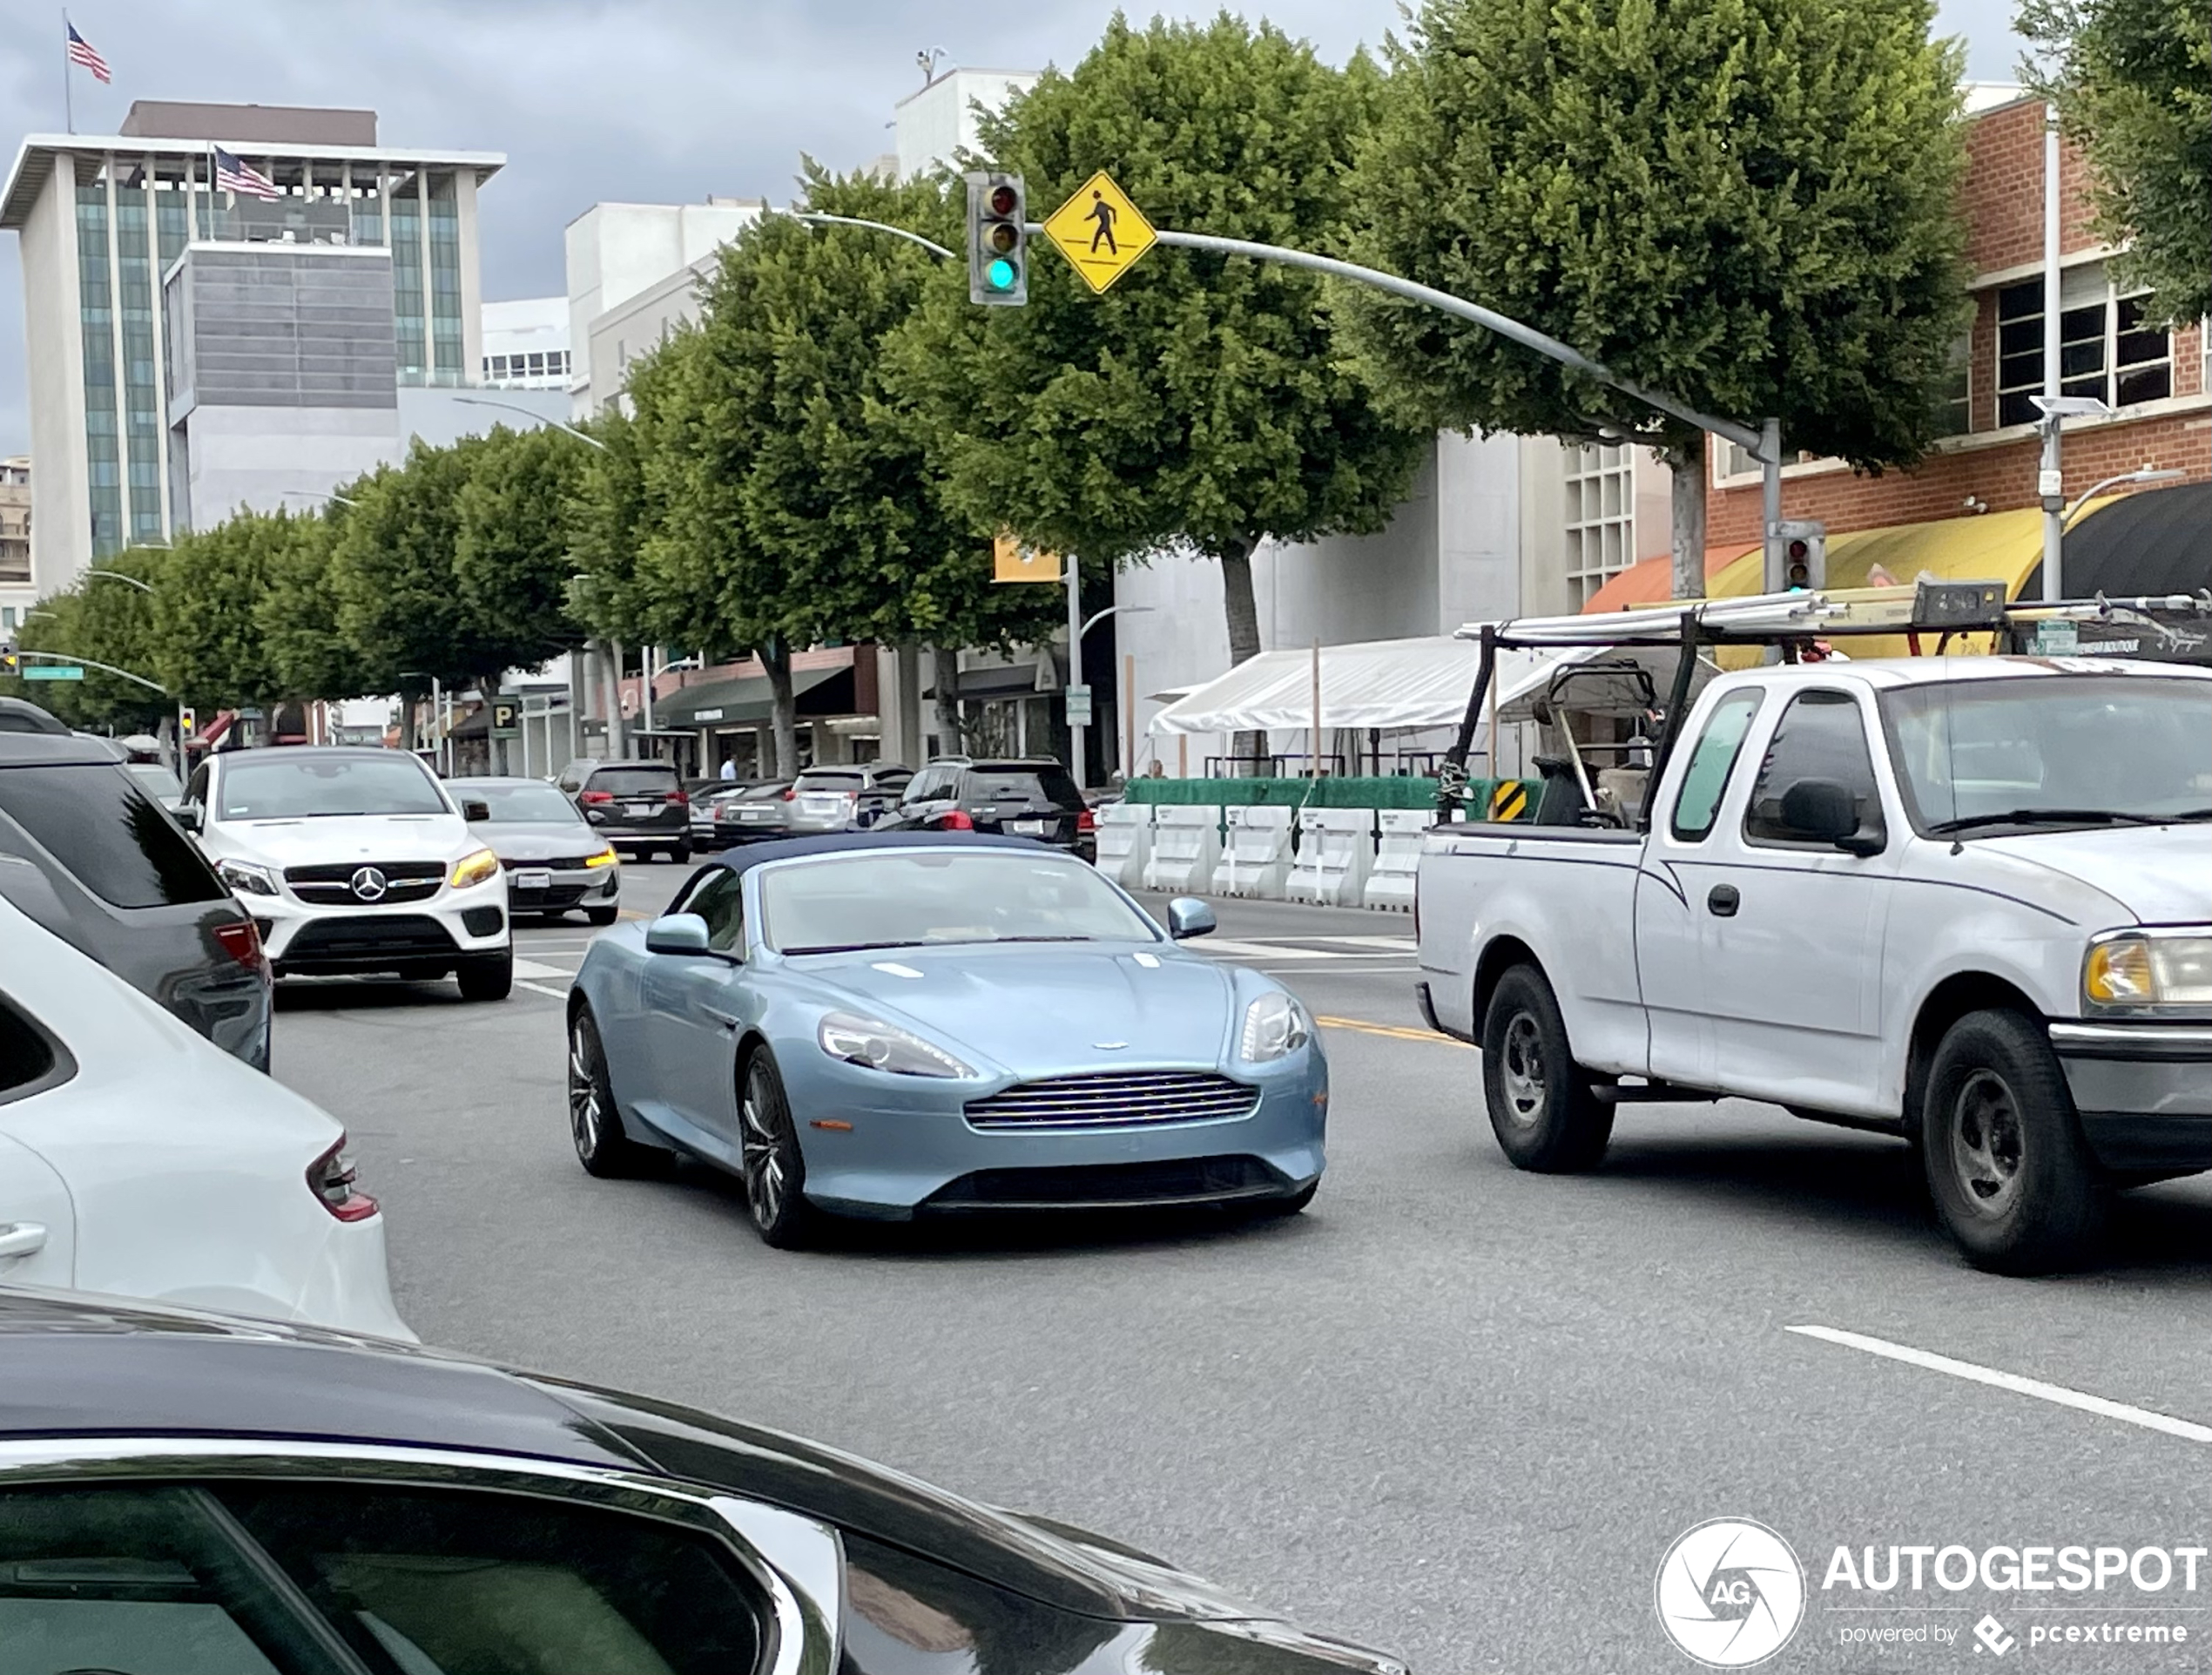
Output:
x=2159 y=541
x=744 y=701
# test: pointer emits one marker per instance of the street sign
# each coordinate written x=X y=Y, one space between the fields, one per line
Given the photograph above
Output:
x=1012 y=562
x=505 y=717
x=1078 y=706
x=53 y=671
x=1100 y=232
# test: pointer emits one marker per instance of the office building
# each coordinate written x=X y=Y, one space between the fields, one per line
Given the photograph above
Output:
x=189 y=345
x=526 y=344
x=16 y=594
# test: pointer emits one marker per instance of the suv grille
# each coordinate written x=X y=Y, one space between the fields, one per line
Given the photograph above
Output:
x=330 y=884
x=369 y=942
x=1113 y=1098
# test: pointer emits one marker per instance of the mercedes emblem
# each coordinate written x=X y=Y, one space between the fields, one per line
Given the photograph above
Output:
x=369 y=884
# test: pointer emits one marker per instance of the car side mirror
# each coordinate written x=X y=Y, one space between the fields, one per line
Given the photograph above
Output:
x=188 y=816
x=676 y=933
x=1823 y=811
x=474 y=809
x=1189 y=917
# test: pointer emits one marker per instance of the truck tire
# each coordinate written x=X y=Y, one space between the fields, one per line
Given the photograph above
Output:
x=2013 y=1180
x=1542 y=1108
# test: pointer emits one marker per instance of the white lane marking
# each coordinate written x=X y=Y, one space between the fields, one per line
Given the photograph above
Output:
x=1228 y=949
x=2187 y=1429
x=532 y=968
x=1395 y=944
x=540 y=989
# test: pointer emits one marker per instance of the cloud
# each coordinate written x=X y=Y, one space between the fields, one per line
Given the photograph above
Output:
x=655 y=101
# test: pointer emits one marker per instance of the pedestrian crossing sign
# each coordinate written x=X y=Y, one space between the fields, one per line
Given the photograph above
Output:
x=1100 y=232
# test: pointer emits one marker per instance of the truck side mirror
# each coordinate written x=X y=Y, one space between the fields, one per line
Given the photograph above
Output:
x=1823 y=811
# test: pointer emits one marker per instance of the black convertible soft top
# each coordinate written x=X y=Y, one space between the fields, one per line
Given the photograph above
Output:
x=746 y=856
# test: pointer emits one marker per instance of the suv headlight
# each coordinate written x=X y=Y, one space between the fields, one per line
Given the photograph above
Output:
x=1275 y=1026
x=473 y=867
x=2136 y=973
x=245 y=878
x=880 y=1046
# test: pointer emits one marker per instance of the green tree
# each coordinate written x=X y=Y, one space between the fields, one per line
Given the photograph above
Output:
x=511 y=564
x=209 y=648
x=2133 y=82
x=1747 y=204
x=110 y=622
x=1200 y=405
x=297 y=617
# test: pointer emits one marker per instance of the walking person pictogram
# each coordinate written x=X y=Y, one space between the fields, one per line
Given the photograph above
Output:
x=1105 y=214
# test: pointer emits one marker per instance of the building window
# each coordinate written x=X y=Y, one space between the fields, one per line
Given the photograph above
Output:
x=1954 y=396
x=406 y=281
x=1600 y=517
x=444 y=224
x=96 y=301
x=2104 y=350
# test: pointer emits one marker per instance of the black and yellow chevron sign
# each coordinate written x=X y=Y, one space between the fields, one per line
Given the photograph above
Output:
x=1509 y=800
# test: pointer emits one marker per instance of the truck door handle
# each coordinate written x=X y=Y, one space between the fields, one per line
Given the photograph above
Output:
x=21 y=1239
x=1723 y=901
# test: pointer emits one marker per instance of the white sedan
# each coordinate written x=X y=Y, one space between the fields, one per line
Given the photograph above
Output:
x=136 y=1158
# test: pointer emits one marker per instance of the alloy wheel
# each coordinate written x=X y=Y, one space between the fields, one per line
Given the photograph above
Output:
x=1522 y=1070
x=762 y=1157
x=1987 y=1144
x=584 y=1116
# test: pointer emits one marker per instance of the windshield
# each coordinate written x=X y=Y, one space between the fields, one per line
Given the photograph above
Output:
x=2069 y=750
x=282 y=787
x=156 y=779
x=519 y=804
x=910 y=898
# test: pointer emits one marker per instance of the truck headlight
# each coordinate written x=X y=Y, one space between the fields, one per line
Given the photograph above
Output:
x=473 y=867
x=245 y=878
x=880 y=1046
x=2131 y=972
x=1275 y=1026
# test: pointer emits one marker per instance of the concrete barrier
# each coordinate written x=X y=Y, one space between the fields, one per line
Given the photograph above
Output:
x=1126 y=841
x=1256 y=859
x=1398 y=857
x=1186 y=843
x=1336 y=849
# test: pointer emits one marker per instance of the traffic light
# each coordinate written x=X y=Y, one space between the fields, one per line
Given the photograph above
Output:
x=10 y=663
x=998 y=256
x=1804 y=554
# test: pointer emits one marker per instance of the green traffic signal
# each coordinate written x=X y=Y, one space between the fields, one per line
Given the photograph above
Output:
x=999 y=275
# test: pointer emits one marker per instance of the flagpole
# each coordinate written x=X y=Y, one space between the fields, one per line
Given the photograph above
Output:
x=69 y=105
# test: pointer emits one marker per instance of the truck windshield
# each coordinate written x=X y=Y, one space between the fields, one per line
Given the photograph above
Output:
x=1986 y=756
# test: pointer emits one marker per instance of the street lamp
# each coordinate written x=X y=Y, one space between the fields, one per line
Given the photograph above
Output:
x=516 y=407
x=2141 y=478
x=2050 y=481
x=119 y=576
x=314 y=494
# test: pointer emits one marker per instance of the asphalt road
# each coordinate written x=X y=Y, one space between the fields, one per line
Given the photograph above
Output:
x=1452 y=1409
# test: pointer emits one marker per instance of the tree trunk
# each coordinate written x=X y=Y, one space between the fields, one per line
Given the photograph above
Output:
x=945 y=665
x=775 y=659
x=1243 y=613
x=1686 y=462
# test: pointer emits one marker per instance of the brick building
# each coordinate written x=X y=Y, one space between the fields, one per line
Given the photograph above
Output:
x=2153 y=381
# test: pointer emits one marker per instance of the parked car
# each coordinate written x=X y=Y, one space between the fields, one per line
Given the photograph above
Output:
x=323 y=843
x=87 y=854
x=180 y=1493
x=160 y=782
x=738 y=814
x=843 y=799
x=1031 y=797
x=136 y=1158
x=637 y=805
x=887 y=1024
x=554 y=861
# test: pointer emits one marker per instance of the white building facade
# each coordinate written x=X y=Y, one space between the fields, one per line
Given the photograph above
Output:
x=938 y=121
x=526 y=344
x=632 y=271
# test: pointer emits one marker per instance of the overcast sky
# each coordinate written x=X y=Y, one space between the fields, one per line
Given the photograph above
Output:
x=592 y=99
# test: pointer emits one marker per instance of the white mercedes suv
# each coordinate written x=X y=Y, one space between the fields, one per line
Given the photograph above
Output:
x=354 y=861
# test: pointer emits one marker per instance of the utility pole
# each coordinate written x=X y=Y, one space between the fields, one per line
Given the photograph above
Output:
x=1076 y=729
x=2051 y=479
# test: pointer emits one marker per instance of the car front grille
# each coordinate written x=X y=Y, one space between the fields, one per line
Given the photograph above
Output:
x=365 y=942
x=1114 y=1098
x=1114 y=1186
x=331 y=884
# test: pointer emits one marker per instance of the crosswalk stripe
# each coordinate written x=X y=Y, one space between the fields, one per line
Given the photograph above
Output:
x=532 y=968
x=1219 y=945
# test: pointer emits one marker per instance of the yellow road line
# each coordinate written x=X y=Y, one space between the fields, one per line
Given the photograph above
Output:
x=1396 y=1031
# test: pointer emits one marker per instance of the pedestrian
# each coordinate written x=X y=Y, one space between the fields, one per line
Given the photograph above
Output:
x=729 y=769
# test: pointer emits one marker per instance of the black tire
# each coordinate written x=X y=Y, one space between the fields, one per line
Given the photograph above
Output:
x=682 y=855
x=595 y=1121
x=772 y=1168
x=1543 y=1108
x=2013 y=1180
x=601 y=915
x=488 y=976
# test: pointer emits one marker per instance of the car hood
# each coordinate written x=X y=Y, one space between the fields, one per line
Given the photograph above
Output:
x=332 y=838
x=1047 y=1008
x=532 y=842
x=2161 y=874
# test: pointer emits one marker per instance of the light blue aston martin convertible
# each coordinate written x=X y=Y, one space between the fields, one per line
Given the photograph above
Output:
x=889 y=1024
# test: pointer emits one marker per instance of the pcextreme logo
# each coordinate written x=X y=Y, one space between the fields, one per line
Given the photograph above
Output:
x=1730 y=1593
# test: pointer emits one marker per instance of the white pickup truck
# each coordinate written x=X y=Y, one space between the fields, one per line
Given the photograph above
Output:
x=1966 y=900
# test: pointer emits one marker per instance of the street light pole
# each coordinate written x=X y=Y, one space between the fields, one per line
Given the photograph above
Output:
x=118 y=576
x=2139 y=478
x=516 y=407
x=2050 y=482
x=1076 y=729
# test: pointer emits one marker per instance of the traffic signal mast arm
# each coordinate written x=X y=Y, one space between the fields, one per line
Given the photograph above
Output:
x=91 y=663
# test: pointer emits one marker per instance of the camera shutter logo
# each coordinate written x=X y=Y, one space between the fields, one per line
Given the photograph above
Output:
x=1730 y=1593
x=369 y=884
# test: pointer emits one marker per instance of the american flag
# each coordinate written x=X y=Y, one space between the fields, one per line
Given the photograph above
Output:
x=232 y=175
x=81 y=51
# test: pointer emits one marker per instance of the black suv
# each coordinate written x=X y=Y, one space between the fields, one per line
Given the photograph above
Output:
x=1031 y=797
x=85 y=852
x=637 y=806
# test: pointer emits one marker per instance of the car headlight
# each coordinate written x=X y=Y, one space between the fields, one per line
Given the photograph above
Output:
x=605 y=858
x=1275 y=1026
x=247 y=878
x=2129 y=972
x=881 y=1046
x=473 y=867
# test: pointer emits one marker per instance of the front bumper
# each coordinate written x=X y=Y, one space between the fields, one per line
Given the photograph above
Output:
x=2143 y=1092
x=911 y=1147
x=565 y=886
x=304 y=939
